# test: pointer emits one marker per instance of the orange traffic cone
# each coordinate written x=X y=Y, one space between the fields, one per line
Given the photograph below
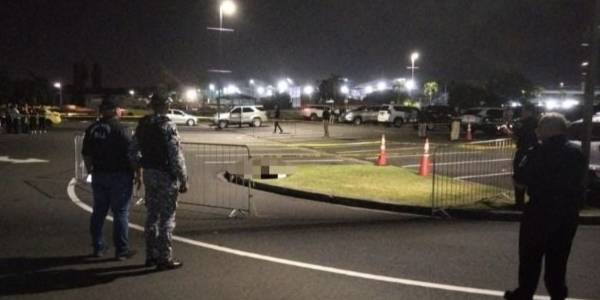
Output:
x=424 y=168
x=469 y=133
x=382 y=160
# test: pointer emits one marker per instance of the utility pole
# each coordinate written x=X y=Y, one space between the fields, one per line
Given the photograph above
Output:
x=592 y=74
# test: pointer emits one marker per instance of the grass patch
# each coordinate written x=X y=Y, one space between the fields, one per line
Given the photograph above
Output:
x=389 y=184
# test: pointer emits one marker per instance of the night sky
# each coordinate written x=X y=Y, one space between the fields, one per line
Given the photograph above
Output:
x=135 y=40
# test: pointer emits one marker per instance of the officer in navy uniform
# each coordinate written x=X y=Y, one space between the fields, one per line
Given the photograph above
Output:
x=553 y=173
x=157 y=150
x=105 y=153
x=524 y=133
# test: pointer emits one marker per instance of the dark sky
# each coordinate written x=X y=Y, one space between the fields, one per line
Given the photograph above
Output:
x=136 y=40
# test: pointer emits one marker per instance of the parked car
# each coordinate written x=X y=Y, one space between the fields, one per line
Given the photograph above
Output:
x=182 y=118
x=575 y=134
x=397 y=114
x=439 y=114
x=361 y=114
x=313 y=112
x=486 y=119
x=253 y=115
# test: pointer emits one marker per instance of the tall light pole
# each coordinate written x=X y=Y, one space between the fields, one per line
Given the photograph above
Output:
x=58 y=85
x=590 y=88
x=226 y=8
x=413 y=57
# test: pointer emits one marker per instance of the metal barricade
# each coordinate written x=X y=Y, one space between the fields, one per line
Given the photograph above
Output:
x=211 y=170
x=473 y=173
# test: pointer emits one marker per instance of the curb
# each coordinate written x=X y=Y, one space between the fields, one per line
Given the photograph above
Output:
x=467 y=214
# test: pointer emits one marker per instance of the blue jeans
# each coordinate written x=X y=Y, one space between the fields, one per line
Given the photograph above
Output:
x=111 y=190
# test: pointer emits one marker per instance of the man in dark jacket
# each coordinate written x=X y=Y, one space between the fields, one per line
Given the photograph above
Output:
x=326 y=120
x=276 y=117
x=105 y=153
x=552 y=173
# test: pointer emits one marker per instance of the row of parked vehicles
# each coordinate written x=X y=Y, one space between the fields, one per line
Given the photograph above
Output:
x=397 y=115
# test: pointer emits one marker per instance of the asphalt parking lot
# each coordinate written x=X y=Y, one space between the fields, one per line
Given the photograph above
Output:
x=288 y=249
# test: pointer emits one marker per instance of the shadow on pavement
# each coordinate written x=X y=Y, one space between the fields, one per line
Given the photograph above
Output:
x=22 y=275
x=267 y=225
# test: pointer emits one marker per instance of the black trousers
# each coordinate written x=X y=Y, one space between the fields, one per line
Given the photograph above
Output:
x=276 y=125
x=545 y=236
x=519 y=191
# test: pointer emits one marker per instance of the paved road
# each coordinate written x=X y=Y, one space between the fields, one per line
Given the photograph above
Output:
x=46 y=240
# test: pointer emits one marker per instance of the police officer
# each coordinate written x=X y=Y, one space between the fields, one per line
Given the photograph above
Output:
x=156 y=149
x=524 y=134
x=105 y=153
x=553 y=174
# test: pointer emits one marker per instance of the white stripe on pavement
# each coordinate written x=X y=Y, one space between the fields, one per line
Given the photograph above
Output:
x=463 y=162
x=312 y=160
x=309 y=266
x=222 y=162
x=258 y=154
x=388 y=149
x=415 y=155
x=484 y=175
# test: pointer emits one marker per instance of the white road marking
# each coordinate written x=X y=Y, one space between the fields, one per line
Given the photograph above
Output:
x=374 y=150
x=484 y=175
x=309 y=266
x=222 y=162
x=312 y=160
x=22 y=161
x=416 y=155
x=463 y=162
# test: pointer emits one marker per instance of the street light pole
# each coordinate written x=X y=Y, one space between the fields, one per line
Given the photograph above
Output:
x=588 y=108
x=58 y=85
x=413 y=57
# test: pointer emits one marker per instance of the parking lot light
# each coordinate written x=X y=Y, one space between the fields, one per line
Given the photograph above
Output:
x=308 y=90
x=381 y=86
x=410 y=85
x=228 y=8
x=282 y=86
x=191 y=95
x=345 y=90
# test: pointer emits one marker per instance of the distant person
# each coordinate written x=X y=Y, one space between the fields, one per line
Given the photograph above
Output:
x=15 y=119
x=553 y=174
x=25 y=118
x=41 y=119
x=276 y=117
x=523 y=132
x=156 y=148
x=326 y=117
x=3 y=120
x=105 y=153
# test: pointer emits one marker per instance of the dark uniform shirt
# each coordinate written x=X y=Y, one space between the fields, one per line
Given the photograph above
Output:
x=106 y=144
x=525 y=132
x=553 y=173
x=156 y=145
x=277 y=113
